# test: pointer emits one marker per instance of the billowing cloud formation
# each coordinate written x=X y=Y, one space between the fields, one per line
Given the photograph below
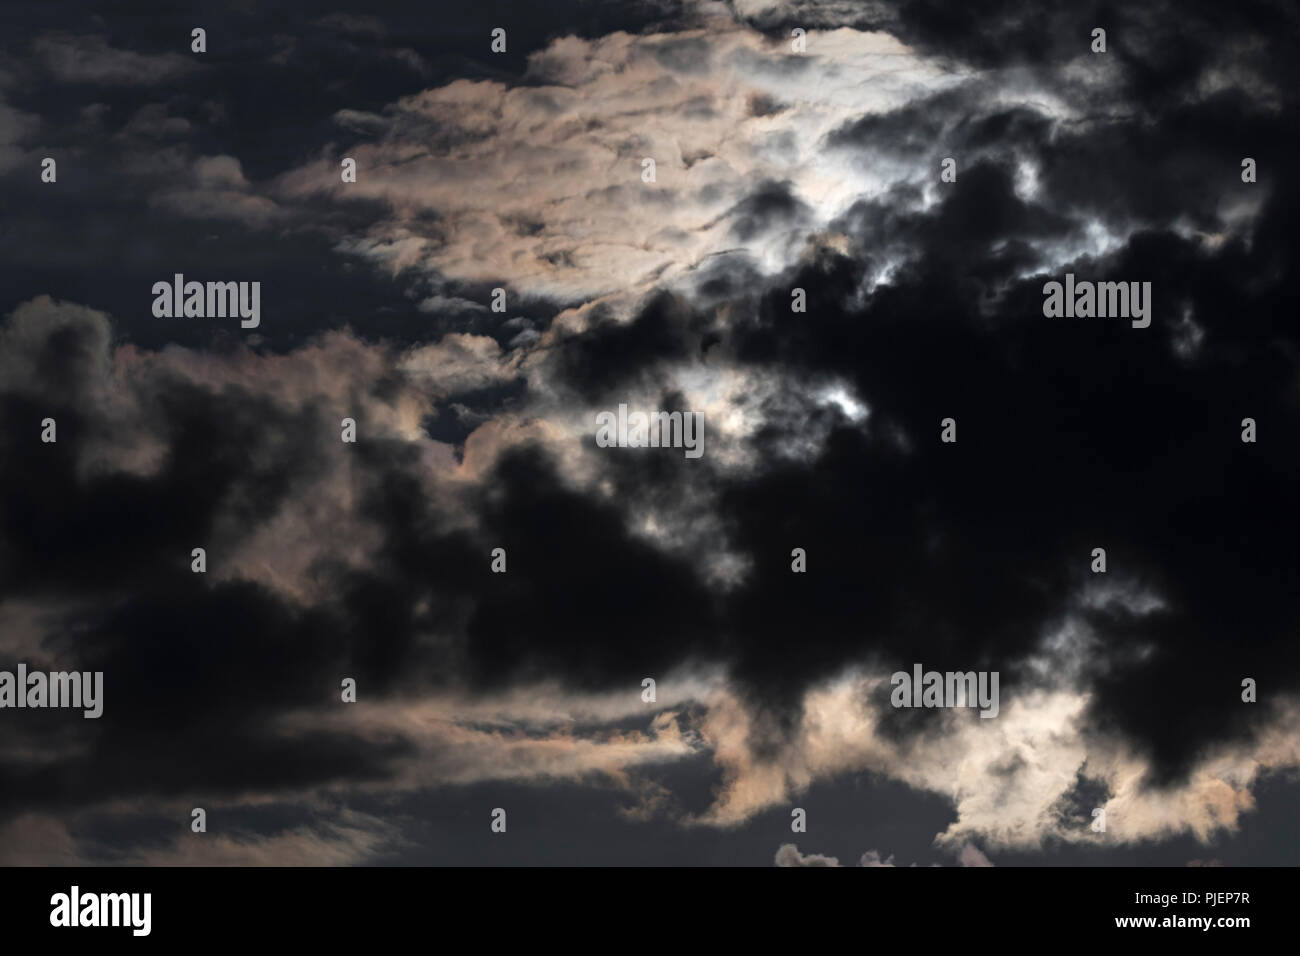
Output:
x=775 y=171
x=541 y=184
x=789 y=855
x=1015 y=782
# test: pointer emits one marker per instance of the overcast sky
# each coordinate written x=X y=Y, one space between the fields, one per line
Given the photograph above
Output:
x=775 y=169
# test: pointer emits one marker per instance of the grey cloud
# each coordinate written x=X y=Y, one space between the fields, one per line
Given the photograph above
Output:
x=86 y=58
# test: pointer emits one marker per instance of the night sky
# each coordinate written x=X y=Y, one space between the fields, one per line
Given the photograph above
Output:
x=798 y=152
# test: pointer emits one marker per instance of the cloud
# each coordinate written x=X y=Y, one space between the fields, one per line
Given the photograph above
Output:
x=214 y=187
x=539 y=185
x=85 y=58
x=872 y=859
x=255 y=499
x=352 y=841
x=34 y=839
x=16 y=126
x=775 y=171
x=788 y=855
x=971 y=856
x=1008 y=779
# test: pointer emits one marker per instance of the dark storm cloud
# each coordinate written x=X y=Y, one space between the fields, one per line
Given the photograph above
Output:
x=973 y=546
x=196 y=670
x=544 y=617
x=1162 y=50
x=201 y=672
x=610 y=355
x=771 y=204
x=1073 y=434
